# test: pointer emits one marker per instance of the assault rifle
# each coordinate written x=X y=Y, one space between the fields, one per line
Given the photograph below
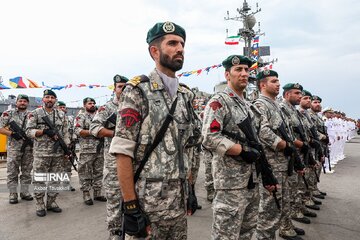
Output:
x=60 y=141
x=262 y=165
x=16 y=129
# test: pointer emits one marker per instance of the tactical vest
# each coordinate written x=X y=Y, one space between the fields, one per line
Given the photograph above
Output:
x=163 y=162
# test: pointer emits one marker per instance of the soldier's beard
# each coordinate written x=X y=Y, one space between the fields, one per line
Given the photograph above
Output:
x=91 y=110
x=22 y=107
x=49 y=104
x=173 y=65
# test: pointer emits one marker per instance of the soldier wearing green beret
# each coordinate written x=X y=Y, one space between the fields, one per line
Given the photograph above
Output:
x=235 y=205
x=103 y=126
x=316 y=153
x=277 y=148
x=91 y=158
x=19 y=152
x=46 y=160
x=159 y=197
x=291 y=98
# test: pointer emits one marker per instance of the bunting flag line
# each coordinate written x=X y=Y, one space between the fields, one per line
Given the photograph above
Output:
x=17 y=82
x=33 y=84
x=199 y=71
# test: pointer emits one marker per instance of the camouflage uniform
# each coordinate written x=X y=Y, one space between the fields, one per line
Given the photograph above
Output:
x=235 y=206
x=269 y=216
x=312 y=181
x=321 y=129
x=206 y=157
x=17 y=160
x=161 y=187
x=111 y=182
x=295 y=180
x=67 y=164
x=46 y=160
x=91 y=161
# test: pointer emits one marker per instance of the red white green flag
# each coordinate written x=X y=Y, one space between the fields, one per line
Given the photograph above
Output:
x=232 y=40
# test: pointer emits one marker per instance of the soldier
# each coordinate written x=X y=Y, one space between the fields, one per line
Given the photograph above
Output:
x=67 y=164
x=91 y=158
x=153 y=125
x=47 y=158
x=19 y=149
x=314 y=110
x=277 y=150
x=314 y=160
x=235 y=206
x=291 y=97
x=103 y=126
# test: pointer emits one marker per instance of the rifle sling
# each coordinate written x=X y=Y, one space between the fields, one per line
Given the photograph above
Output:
x=159 y=136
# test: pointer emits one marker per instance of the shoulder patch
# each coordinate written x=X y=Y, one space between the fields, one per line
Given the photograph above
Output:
x=136 y=80
x=5 y=114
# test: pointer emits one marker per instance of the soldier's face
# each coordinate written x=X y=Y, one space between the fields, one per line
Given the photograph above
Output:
x=294 y=96
x=90 y=107
x=49 y=101
x=305 y=102
x=62 y=108
x=238 y=76
x=272 y=86
x=316 y=106
x=171 y=52
x=22 y=104
x=118 y=89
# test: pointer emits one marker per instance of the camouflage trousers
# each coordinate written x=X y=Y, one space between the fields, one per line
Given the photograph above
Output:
x=306 y=193
x=67 y=166
x=112 y=193
x=175 y=229
x=235 y=214
x=90 y=170
x=318 y=170
x=16 y=163
x=48 y=164
x=209 y=181
x=295 y=205
x=269 y=215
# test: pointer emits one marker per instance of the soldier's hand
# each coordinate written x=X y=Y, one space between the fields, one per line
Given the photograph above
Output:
x=49 y=132
x=16 y=136
x=135 y=220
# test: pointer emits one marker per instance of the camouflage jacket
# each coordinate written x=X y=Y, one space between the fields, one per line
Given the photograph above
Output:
x=43 y=145
x=143 y=107
x=82 y=122
x=100 y=120
x=271 y=118
x=319 y=123
x=222 y=113
x=21 y=120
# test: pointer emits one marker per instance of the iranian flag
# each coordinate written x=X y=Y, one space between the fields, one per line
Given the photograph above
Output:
x=232 y=40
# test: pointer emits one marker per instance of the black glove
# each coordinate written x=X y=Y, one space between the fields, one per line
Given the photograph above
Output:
x=289 y=150
x=250 y=155
x=192 y=203
x=135 y=220
x=304 y=148
x=51 y=133
x=16 y=136
x=315 y=144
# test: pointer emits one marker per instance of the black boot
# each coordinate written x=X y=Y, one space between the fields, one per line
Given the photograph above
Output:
x=87 y=198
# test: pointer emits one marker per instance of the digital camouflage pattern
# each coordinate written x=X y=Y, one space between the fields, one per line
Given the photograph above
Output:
x=91 y=163
x=161 y=187
x=16 y=160
x=235 y=207
x=110 y=180
x=269 y=216
x=46 y=160
x=206 y=157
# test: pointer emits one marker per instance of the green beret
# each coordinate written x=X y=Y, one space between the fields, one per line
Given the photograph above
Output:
x=290 y=86
x=22 y=96
x=314 y=97
x=234 y=60
x=306 y=93
x=161 y=29
x=61 y=103
x=266 y=73
x=120 y=79
x=49 y=92
x=88 y=99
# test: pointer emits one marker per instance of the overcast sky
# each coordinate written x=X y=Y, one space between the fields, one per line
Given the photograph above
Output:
x=317 y=43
